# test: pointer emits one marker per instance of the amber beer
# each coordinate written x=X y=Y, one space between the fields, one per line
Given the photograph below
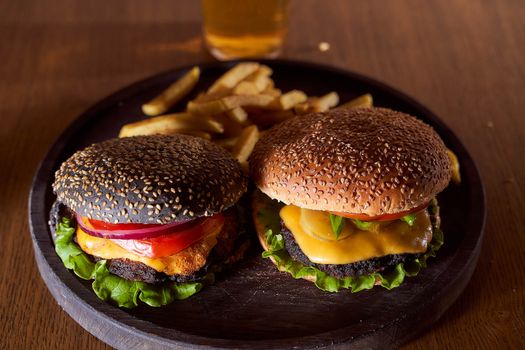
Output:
x=244 y=28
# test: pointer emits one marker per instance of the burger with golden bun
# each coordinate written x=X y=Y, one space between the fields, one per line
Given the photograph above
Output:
x=347 y=197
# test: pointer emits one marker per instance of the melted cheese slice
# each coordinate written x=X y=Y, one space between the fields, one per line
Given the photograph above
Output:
x=313 y=233
x=184 y=262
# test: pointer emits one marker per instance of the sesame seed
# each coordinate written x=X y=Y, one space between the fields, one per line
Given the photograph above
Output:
x=132 y=172
x=347 y=149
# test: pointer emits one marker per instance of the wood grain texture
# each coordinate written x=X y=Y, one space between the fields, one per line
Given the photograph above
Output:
x=463 y=59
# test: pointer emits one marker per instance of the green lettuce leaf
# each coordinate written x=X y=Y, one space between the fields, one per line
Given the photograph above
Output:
x=70 y=253
x=113 y=288
x=389 y=279
x=409 y=219
x=362 y=225
x=337 y=222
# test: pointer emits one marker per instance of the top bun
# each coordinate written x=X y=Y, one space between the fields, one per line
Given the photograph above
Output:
x=150 y=179
x=370 y=161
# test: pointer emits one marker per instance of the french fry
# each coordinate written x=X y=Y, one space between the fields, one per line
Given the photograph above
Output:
x=227 y=143
x=317 y=104
x=173 y=94
x=197 y=133
x=263 y=83
x=232 y=77
x=231 y=127
x=261 y=78
x=271 y=90
x=245 y=143
x=261 y=101
x=230 y=102
x=365 y=100
x=265 y=119
x=290 y=99
x=263 y=71
x=304 y=107
x=246 y=88
x=207 y=108
x=238 y=114
x=170 y=123
x=325 y=102
x=454 y=165
x=207 y=97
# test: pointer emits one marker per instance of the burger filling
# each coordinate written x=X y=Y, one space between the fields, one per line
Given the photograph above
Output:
x=178 y=252
x=337 y=252
x=181 y=251
x=326 y=238
x=359 y=268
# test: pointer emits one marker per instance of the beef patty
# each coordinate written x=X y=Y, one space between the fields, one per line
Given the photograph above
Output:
x=359 y=268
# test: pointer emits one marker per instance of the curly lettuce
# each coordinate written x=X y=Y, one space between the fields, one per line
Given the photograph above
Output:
x=387 y=279
x=115 y=289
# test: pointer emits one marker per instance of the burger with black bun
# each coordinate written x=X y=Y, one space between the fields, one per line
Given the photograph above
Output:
x=348 y=197
x=148 y=218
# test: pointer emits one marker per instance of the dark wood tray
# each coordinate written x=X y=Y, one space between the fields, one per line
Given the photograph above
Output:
x=254 y=306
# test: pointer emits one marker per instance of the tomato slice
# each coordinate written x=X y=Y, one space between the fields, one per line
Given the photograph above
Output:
x=172 y=243
x=385 y=217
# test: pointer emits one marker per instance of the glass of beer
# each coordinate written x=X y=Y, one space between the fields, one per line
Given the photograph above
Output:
x=244 y=28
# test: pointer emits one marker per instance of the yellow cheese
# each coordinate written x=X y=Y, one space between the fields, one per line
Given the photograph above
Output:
x=184 y=262
x=313 y=233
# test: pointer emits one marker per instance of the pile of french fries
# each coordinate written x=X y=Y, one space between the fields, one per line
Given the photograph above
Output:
x=235 y=109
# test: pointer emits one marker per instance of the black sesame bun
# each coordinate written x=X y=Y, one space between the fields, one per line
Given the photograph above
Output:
x=371 y=161
x=155 y=179
x=150 y=179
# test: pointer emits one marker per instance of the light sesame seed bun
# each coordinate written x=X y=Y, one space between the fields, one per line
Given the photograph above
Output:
x=150 y=179
x=370 y=161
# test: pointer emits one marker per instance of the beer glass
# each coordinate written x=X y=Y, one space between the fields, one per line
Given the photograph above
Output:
x=244 y=28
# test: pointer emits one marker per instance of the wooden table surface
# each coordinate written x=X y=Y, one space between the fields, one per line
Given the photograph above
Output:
x=463 y=59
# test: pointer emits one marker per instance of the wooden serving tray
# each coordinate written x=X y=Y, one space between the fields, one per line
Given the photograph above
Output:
x=254 y=306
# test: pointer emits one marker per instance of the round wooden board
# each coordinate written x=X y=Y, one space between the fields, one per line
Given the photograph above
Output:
x=254 y=306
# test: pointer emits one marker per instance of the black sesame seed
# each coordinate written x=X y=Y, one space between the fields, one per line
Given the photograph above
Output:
x=164 y=172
